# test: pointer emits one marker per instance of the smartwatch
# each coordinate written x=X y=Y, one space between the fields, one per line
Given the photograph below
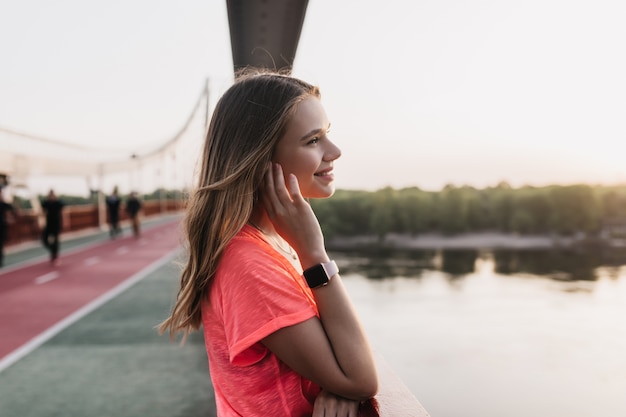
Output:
x=319 y=275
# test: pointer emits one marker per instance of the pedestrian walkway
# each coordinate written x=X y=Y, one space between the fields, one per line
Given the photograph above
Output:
x=100 y=355
x=104 y=358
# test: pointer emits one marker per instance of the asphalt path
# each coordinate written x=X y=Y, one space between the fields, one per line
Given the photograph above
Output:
x=79 y=339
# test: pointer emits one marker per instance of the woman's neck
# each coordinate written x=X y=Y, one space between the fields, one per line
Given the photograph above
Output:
x=260 y=220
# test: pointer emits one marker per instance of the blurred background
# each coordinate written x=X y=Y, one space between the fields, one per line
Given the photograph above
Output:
x=480 y=216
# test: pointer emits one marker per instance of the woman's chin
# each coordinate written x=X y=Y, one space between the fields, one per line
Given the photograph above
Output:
x=324 y=192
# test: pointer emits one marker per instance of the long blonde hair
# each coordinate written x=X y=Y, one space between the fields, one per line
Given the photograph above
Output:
x=247 y=122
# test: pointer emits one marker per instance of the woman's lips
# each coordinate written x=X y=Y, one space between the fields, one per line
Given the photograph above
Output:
x=326 y=174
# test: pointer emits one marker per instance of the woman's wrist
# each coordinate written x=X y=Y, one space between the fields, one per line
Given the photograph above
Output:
x=310 y=259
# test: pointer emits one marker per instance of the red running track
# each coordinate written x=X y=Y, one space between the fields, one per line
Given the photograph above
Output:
x=37 y=297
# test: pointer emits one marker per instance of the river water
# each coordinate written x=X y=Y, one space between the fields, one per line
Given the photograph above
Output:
x=504 y=334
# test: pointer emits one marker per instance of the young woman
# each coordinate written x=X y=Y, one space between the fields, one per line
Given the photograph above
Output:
x=281 y=334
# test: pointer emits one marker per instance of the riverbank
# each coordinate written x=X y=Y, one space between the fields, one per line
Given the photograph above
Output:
x=484 y=240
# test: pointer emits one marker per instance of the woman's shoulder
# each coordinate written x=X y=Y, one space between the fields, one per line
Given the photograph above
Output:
x=246 y=248
x=246 y=258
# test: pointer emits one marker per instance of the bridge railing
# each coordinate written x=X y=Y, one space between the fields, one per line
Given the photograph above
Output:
x=394 y=399
x=27 y=224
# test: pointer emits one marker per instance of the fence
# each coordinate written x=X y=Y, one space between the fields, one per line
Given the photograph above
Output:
x=28 y=224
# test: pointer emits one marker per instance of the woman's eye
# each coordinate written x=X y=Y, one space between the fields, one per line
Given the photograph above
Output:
x=313 y=141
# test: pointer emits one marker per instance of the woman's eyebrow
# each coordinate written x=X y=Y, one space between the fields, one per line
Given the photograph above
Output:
x=314 y=132
x=311 y=133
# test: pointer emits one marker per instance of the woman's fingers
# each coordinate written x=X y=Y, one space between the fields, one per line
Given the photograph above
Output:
x=275 y=191
x=287 y=192
x=280 y=188
x=281 y=196
x=291 y=214
x=327 y=404
x=294 y=190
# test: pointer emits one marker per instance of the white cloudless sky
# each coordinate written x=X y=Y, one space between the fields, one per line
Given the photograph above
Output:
x=419 y=93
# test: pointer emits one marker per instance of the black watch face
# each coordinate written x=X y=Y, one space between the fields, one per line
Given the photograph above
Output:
x=316 y=276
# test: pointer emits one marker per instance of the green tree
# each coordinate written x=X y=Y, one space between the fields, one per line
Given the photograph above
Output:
x=415 y=209
x=574 y=208
x=383 y=218
x=502 y=205
x=452 y=210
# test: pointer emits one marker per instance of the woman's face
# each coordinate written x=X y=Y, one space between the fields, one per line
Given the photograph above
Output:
x=306 y=151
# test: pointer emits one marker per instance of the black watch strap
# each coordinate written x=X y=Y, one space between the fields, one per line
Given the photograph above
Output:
x=320 y=274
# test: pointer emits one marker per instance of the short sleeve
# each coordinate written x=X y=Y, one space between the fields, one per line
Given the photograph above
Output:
x=257 y=295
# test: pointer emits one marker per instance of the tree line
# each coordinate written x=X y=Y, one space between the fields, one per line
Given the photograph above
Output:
x=556 y=209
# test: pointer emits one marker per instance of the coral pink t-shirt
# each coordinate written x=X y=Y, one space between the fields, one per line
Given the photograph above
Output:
x=255 y=292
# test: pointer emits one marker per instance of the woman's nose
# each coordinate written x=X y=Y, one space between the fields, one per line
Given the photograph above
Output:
x=333 y=152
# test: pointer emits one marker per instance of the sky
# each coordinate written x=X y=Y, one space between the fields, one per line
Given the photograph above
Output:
x=419 y=93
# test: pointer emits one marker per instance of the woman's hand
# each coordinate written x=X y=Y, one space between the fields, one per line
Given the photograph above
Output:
x=293 y=217
x=330 y=405
x=332 y=349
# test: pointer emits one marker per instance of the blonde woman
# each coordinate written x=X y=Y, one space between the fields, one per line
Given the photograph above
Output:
x=281 y=334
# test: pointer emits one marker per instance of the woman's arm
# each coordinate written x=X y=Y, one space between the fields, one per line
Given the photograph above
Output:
x=333 y=350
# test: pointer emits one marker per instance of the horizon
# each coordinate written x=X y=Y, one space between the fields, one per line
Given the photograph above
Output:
x=65 y=191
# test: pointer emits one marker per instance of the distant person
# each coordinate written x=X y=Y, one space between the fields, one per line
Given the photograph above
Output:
x=113 y=208
x=52 y=207
x=133 y=206
x=7 y=216
x=282 y=337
